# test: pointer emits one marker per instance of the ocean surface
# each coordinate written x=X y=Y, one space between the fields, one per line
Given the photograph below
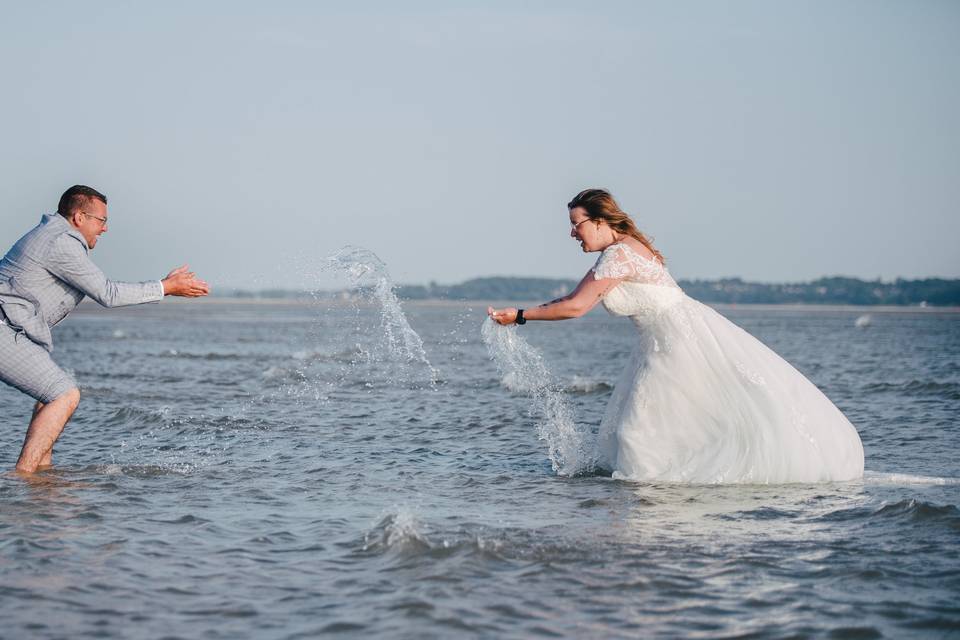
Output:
x=245 y=470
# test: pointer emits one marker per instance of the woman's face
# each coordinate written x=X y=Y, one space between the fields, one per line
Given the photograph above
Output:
x=588 y=232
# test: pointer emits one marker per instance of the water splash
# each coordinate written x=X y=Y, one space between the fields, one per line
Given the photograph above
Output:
x=167 y=442
x=572 y=449
x=399 y=531
x=369 y=275
x=350 y=354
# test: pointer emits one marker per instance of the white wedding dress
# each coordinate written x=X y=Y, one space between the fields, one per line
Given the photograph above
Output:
x=703 y=401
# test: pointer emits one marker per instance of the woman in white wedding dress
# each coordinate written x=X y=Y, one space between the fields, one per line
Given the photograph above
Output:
x=701 y=400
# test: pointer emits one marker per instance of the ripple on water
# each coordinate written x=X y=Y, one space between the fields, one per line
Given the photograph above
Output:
x=934 y=388
x=905 y=511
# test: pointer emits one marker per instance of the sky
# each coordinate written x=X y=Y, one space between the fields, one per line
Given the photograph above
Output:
x=774 y=141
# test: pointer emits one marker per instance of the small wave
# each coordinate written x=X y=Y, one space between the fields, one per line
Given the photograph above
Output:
x=910 y=510
x=173 y=353
x=350 y=355
x=519 y=381
x=944 y=390
x=585 y=386
x=134 y=470
x=283 y=374
x=398 y=531
x=185 y=519
x=514 y=381
x=404 y=533
x=136 y=417
x=919 y=511
x=763 y=513
x=873 y=477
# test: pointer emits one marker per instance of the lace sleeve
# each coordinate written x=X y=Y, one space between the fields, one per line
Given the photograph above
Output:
x=620 y=262
x=614 y=263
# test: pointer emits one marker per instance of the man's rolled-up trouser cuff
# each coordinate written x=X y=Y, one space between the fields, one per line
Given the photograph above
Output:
x=57 y=388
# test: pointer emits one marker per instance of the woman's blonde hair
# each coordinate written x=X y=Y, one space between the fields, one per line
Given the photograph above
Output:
x=600 y=205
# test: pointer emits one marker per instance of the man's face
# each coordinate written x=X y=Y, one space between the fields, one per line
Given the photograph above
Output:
x=91 y=221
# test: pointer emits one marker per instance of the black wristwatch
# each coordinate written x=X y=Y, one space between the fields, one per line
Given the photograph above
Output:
x=520 y=318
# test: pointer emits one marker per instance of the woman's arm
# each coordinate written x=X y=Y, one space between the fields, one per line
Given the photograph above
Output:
x=573 y=305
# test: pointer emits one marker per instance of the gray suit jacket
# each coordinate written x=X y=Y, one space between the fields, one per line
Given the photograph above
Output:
x=48 y=272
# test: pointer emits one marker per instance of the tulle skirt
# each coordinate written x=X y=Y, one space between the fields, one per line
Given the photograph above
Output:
x=703 y=401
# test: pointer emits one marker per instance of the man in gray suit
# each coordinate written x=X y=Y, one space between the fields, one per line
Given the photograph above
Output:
x=42 y=278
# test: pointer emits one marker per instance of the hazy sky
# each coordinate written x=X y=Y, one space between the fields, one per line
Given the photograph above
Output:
x=770 y=140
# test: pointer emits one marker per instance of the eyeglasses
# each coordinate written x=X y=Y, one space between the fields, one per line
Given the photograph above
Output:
x=576 y=225
x=103 y=221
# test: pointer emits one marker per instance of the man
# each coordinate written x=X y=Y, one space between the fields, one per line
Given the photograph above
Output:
x=42 y=278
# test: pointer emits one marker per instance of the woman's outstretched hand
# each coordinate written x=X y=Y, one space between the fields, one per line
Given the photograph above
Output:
x=183 y=282
x=502 y=316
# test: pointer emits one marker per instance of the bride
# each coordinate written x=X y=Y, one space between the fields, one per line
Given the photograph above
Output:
x=700 y=400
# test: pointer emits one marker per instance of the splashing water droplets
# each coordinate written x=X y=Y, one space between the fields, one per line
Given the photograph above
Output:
x=360 y=342
x=369 y=275
x=571 y=448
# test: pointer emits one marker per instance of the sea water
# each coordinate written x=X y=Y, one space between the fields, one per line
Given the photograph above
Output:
x=243 y=469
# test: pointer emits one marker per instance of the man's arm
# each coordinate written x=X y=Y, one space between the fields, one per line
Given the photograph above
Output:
x=68 y=260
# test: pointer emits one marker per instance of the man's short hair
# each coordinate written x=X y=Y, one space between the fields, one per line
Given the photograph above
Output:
x=77 y=196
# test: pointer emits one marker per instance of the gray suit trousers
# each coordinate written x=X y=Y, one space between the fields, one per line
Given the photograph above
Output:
x=27 y=366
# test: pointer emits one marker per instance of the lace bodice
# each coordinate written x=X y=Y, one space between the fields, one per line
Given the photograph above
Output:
x=646 y=286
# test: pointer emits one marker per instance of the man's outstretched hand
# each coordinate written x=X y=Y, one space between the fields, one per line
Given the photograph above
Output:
x=183 y=282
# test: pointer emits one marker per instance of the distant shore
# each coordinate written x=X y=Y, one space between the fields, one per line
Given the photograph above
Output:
x=483 y=304
x=833 y=292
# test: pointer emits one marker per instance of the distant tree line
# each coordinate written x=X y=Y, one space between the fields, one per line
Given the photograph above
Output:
x=835 y=290
x=494 y=288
